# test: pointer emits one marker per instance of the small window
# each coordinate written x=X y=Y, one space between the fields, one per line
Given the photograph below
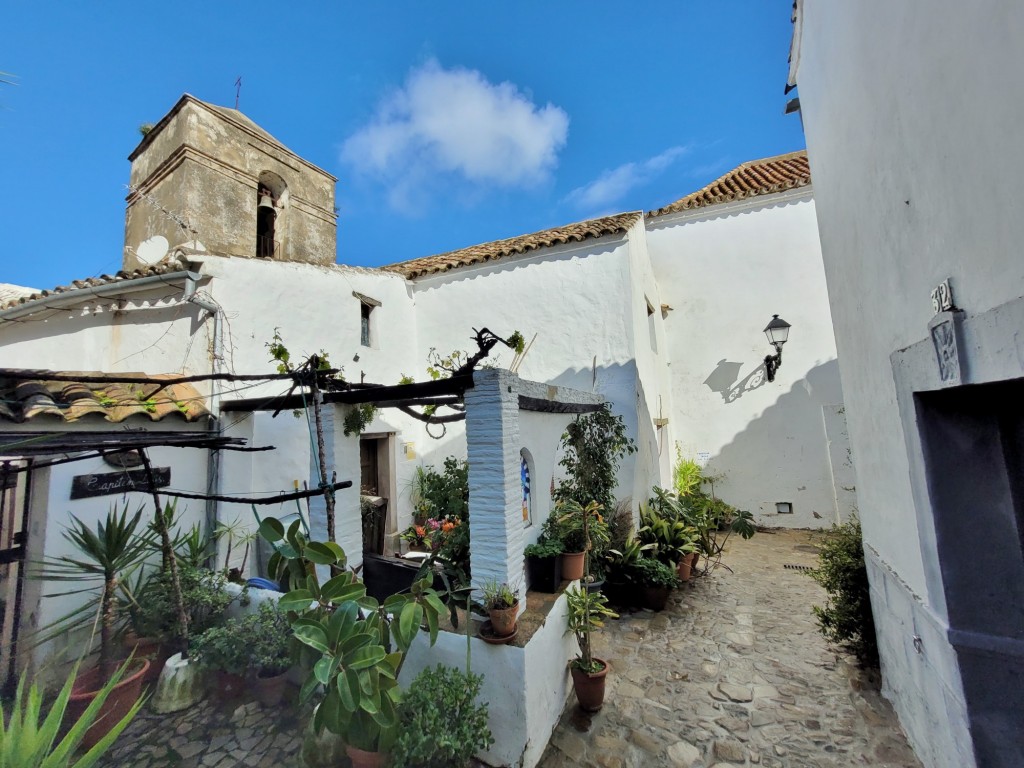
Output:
x=366 y=319
x=783 y=508
x=364 y=324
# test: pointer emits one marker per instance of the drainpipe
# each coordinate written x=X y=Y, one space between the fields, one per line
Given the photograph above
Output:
x=213 y=459
x=56 y=300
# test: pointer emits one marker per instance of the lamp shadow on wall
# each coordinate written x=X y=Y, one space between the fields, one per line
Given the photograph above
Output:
x=784 y=450
x=723 y=380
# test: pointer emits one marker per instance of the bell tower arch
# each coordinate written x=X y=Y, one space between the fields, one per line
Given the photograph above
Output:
x=210 y=180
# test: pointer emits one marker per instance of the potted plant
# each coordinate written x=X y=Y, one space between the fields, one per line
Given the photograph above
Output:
x=656 y=580
x=225 y=651
x=663 y=525
x=270 y=653
x=577 y=527
x=152 y=611
x=352 y=645
x=104 y=556
x=441 y=723
x=587 y=612
x=502 y=604
x=417 y=537
x=620 y=584
x=544 y=565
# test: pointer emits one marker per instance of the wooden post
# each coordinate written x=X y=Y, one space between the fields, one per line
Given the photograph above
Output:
x=314 y=364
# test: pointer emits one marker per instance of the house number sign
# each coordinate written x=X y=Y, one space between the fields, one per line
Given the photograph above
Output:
x=112 y=483
x=942 y=297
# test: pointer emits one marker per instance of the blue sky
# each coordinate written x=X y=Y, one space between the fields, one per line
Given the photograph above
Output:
x=447 y=124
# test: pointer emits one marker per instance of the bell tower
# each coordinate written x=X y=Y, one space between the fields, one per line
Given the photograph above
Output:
x=209 y=179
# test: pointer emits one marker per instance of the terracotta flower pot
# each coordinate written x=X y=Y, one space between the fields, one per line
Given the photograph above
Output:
x=655 y=598
x=269 y=690
x=589 y=686
x=147 y=648
x=229 y=686
x=362 y=759
x=503 y=620
x=684 y=568
x=120 y=700
x=572 y=565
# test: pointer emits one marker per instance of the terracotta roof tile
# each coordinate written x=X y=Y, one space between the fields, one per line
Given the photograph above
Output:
x=68 y=401
x=499 y=249
x=757 y=177
x=171 y=265
x=9 y=292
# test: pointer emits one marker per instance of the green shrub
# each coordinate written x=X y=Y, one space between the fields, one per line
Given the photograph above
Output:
x=594 y=445
x=441 y=725
x=223 y=648
x=565 y=523
x=544 y=547
x=270 y=645
x=441 y=493
x=846 y=618
x=153 y=612
x=650 y=572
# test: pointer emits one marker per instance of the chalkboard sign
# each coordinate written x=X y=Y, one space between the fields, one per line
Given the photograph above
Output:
x=111 y=483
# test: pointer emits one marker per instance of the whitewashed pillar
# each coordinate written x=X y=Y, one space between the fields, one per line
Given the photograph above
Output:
x=495 y=492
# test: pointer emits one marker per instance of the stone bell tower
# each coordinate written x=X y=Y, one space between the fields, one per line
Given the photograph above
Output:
x=209 y=179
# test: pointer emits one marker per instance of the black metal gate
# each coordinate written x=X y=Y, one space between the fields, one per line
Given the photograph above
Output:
x=14 y=507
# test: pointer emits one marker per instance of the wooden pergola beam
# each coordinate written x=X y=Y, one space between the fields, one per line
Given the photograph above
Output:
x=538 y=405
x=418 y=393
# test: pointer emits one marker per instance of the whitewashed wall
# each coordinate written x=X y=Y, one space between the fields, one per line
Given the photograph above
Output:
x=574 y=297
x=913 y=118
x=521 y=716
x=151 y=333
x=653 y=461
x=725 y=270
x=314 y=309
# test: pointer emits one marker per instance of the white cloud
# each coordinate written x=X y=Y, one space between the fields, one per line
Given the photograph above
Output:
x=454 y=124
x=612 y=185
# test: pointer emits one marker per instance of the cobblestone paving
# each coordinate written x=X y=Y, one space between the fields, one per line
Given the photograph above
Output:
x=733 y=673
x=211 y=735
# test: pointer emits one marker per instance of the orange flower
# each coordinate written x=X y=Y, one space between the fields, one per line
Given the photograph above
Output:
x=420 y=531
x=448 y=527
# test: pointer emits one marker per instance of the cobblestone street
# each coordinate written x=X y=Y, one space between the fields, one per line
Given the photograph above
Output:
x=212 y=735
x=733 y=673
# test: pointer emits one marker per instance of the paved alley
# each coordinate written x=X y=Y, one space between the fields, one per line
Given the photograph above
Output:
x=733 y=673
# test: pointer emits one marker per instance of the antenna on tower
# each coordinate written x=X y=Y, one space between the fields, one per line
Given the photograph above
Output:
x=238 y=90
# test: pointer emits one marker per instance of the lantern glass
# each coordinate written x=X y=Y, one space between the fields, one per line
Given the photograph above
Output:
x=777 y=331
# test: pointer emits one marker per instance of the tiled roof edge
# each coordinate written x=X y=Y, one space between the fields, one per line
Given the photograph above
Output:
x=511 y=246
x=750 y=179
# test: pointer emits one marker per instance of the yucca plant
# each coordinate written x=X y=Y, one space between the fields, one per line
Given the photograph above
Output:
x=31 y=739
x=104 y=556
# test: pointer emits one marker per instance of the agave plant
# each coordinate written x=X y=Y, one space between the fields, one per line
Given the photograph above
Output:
x=30 y=739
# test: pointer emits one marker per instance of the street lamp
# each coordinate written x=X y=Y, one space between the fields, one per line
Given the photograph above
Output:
x=777 y=332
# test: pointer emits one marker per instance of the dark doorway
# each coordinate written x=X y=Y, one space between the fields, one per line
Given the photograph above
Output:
x=374 y=490
x=973 y=442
